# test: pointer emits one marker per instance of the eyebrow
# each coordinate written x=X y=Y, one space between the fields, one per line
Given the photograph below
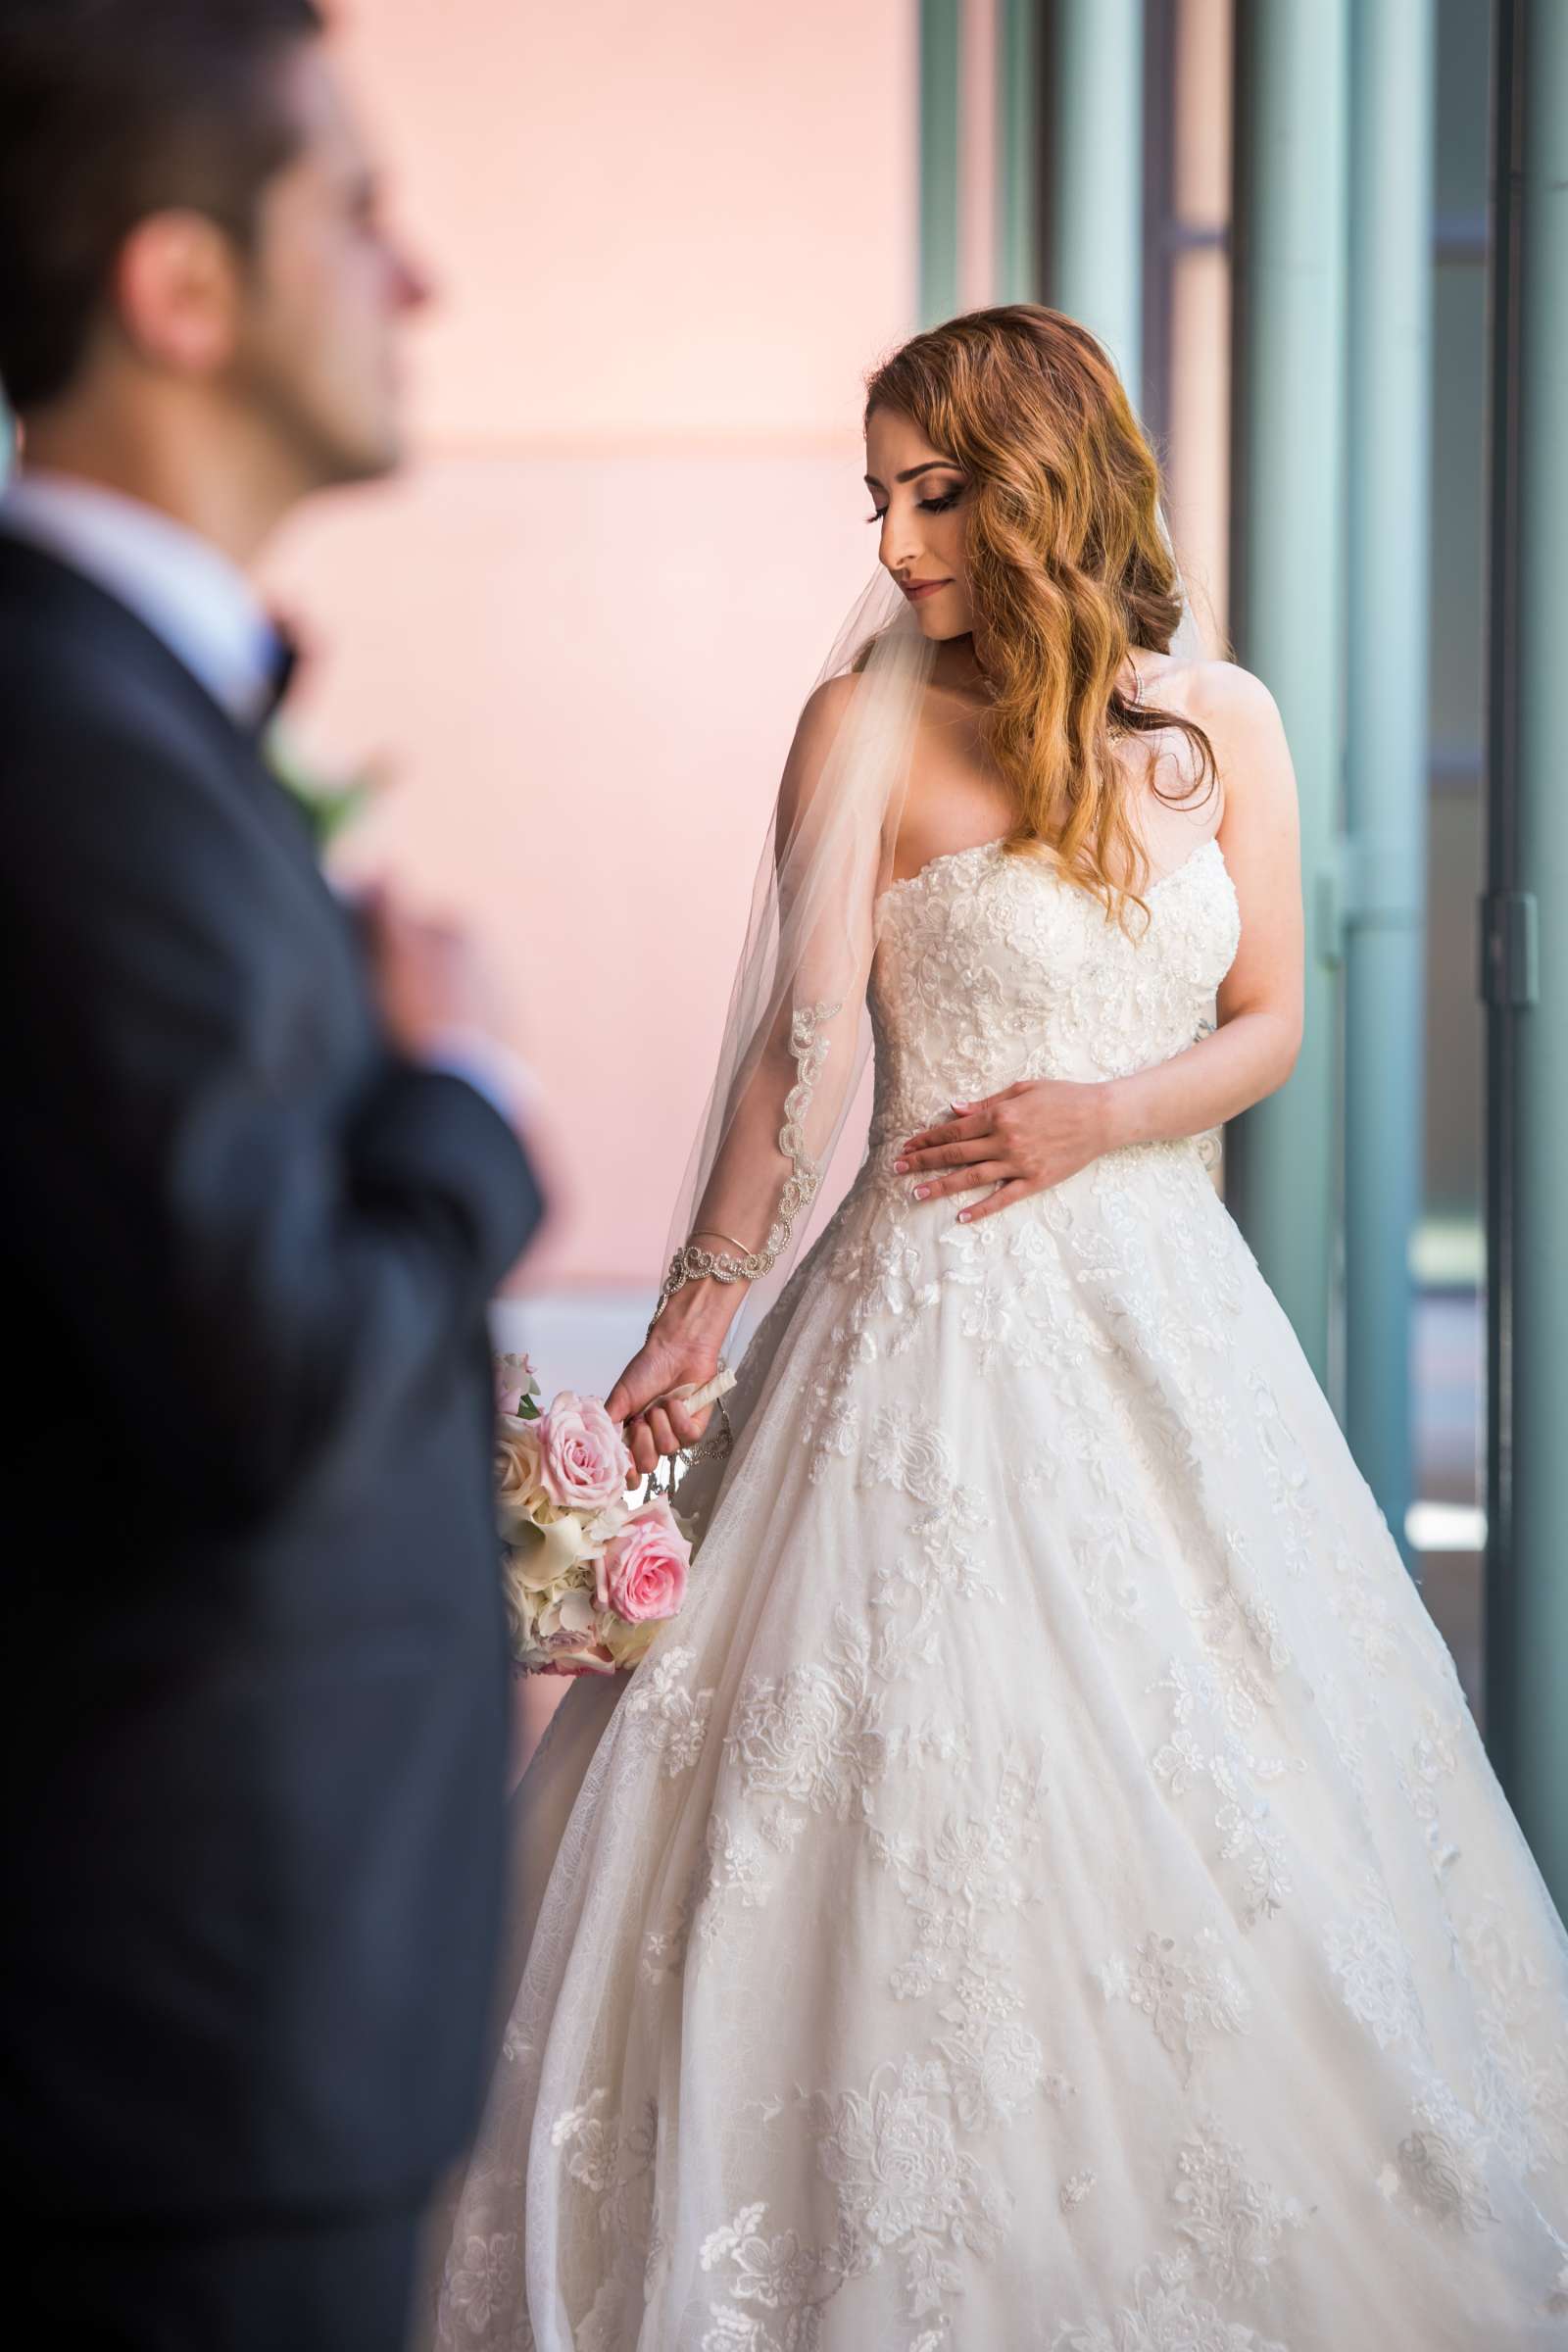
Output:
x=913 y=473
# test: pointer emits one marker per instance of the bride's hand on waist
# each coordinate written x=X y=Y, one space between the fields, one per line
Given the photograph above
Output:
x=681 y=1351
x=1023 y=1140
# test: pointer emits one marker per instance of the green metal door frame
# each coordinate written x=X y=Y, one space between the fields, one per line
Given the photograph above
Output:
x=1288 y=569
x=1017 y=150
x=1524 y=973
x=941 y=71
x=1094 y=260
x=1383 y=900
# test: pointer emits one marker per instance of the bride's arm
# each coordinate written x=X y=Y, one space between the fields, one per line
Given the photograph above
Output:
x=738 y=1211
x=766 y=1160
x=1041 y=1131
x=1253 y=1049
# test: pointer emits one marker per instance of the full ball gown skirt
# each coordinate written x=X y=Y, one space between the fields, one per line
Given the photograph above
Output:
x=1045 y=1889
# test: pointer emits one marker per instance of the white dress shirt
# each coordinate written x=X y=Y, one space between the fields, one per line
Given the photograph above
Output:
x=200 y=604
x=209 y=616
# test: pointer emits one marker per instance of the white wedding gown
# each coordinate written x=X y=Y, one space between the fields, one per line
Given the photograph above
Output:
x=1046 y=1890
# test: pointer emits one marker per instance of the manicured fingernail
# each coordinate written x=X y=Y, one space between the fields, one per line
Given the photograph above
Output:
x=961 y=1105
x=921 y=1191
x=964 y=1217
x=901 y=1167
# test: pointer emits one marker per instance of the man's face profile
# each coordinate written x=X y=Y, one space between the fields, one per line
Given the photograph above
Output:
x=325 y=292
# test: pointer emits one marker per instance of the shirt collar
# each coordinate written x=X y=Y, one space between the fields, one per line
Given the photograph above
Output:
x=192 y=597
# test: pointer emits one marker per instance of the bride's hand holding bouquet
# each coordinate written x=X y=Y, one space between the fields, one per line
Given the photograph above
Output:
x=680 y=1352
x=588 y=1574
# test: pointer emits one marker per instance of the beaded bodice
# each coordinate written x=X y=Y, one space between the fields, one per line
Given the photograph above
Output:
x=990 y=967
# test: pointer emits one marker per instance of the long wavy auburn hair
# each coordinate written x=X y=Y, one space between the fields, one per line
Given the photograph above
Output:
x=1067 y=569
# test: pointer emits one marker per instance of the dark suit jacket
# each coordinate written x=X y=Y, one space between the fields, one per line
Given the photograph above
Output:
x=252 y=1753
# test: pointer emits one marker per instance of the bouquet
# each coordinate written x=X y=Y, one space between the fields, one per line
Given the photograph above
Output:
x=590 y=1572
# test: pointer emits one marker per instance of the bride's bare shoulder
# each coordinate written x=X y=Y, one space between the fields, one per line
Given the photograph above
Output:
x=1238 y=716
x=823 y=712
x=1229 y=696
x=821 y=716
x=1241 y=721
x=1234 y=708
x=1218 y=695
x=1206 y=690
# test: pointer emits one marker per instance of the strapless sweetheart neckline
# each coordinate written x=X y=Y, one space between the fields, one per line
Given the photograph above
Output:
x=982 y=849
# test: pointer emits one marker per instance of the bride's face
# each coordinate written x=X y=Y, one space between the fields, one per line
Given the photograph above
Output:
x=921 y=498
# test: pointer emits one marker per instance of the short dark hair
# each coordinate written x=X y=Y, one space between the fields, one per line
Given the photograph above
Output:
x=110 y=110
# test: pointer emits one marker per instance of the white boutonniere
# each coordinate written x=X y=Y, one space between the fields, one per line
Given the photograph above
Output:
x=329 y=803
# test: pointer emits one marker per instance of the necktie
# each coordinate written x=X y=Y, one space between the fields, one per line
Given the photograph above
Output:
x=325 y=803
x=284 y=661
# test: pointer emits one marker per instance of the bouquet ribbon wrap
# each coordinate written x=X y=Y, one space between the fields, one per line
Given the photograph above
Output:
x=694 y=1397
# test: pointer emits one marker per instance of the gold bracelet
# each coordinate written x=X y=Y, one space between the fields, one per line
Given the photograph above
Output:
x=714 y=1235
x=693 y=1263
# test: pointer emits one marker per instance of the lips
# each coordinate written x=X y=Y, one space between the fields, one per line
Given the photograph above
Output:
x=915 y=590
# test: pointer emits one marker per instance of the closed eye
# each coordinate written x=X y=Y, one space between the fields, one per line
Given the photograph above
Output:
x=941 y=504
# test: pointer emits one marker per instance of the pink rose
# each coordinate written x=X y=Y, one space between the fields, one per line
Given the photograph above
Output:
x=643 y=1573
x=582 y=1457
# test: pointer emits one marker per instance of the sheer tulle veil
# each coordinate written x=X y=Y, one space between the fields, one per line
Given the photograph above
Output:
x=797 y=1037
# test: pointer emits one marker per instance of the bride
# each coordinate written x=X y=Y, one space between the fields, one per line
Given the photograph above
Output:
x=1045 y=1889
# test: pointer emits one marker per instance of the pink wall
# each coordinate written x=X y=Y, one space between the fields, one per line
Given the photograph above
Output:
x=671 y=241
x=1200 y=314
x=977 y=155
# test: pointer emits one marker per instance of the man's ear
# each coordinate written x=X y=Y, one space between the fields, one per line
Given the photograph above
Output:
x=177 y=293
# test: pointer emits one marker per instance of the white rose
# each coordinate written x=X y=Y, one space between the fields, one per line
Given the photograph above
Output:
x=571 y=1612
x=515 y=1380
x=520 y=1484
x=541 y=1555
x=627 y=1645
x=606 y=1524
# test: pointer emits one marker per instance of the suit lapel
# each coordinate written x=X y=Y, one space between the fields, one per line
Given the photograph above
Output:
x=102 y=630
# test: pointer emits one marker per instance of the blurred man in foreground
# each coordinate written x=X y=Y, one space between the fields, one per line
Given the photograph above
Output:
x=261 y=1180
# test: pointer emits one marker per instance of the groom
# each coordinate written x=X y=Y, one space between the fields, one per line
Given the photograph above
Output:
x=258 y=1184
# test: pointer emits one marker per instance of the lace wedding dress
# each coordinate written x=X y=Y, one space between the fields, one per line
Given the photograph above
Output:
x=1046 y=1890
